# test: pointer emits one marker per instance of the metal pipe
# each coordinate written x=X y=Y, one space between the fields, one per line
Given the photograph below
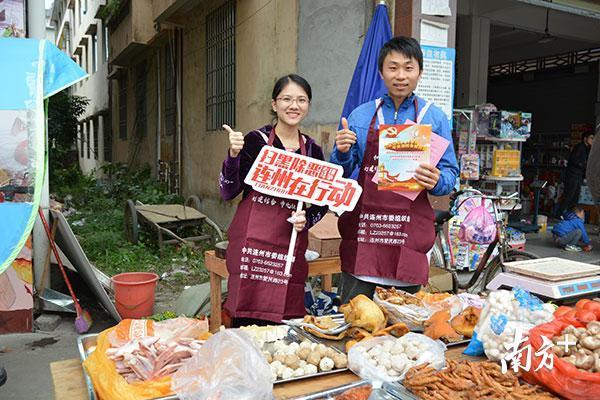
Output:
x=158 y=114
x=36 y=29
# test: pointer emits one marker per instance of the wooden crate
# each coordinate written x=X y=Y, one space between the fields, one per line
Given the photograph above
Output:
x=324 y=237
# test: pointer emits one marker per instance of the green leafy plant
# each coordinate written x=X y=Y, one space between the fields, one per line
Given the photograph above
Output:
x=64 y=111
x=110 y=9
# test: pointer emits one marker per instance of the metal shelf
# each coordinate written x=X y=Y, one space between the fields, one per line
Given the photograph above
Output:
x=496 y=139
x=503 y=178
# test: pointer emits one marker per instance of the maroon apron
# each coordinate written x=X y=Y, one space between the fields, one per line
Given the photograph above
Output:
x=259 y=237
x=386 y=235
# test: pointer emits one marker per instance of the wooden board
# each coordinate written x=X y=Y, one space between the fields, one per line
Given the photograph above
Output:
x=166 y=213
x=552 y=268
x=67 y=377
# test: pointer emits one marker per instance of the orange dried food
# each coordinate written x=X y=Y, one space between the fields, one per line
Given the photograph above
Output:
x=360 y=393
x=432 y=297
x=397 y=297
x=438 y=327
x=465 y=322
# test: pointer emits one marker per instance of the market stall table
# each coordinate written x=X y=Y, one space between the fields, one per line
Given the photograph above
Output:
x=217 y=269
x=69 y=383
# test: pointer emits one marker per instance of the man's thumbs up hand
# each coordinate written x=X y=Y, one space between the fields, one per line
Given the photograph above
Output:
x=344 y=138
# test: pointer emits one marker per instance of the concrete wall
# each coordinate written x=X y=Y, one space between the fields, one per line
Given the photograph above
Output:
x=265 y=49
x=137 y=150
x=330 y=37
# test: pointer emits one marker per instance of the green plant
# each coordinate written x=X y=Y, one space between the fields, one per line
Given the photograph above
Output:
x=64 y=111
x=98 y=224
x=110 y=9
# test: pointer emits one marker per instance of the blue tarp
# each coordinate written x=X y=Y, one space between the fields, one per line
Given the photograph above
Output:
x=31 y=70
x=366 y=82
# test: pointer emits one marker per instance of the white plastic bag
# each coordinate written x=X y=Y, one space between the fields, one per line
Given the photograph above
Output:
x=504 y=312
x=422 y=350
x=229 y=366
x=412 y=315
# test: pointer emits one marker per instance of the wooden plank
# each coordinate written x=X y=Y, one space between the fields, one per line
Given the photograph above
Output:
x=166 y=213
x=68 y=380
x=302 y=387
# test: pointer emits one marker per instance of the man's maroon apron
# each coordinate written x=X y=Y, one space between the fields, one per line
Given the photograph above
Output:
x=259 y=237
x=386 y=235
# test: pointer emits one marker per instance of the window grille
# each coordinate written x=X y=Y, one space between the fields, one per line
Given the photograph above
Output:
x=123 y=108
x=170 y=91
x=220 y=66
x=140 y=99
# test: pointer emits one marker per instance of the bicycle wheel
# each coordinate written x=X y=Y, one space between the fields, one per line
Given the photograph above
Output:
x=495 y=266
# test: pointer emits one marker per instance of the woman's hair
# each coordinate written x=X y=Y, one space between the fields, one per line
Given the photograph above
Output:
x=285 y=80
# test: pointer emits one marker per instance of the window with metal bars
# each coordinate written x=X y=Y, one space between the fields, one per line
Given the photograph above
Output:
x=123 y=108
x=220 y=66
x=96 y=137
x=107 y=137
x=170 y=91
x=88 y=145
x=140 y=99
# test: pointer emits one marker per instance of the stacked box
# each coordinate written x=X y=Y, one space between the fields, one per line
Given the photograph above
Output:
x=506 y=163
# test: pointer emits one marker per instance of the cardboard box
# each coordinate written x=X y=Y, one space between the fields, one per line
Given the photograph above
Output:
x=440 y=280
x=324 y=237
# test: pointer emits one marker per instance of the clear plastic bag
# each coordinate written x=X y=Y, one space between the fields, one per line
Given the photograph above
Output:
x=229 y=366
x=412 y=315
x=504 y=313
x=478 y=227
x=358 y=358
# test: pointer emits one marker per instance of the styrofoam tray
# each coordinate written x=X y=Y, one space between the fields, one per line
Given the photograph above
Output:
x=552 y=268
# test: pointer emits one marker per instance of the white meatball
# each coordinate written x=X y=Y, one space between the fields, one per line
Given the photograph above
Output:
x=310 y=369
x=298 y=372
x=326 y=364
x=287 y=373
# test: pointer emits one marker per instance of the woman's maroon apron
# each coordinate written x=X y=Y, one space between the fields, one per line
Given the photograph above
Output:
x=386 y=235
x=259 y=237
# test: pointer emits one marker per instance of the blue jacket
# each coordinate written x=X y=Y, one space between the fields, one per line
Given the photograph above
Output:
x=360 y=119
x=570 y=223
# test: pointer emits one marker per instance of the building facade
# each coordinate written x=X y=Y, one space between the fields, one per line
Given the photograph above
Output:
x=81 y=33
x=180 y=69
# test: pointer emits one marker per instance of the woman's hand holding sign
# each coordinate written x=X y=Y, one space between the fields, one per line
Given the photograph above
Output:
x=427 y=175
x=298 y=219
x=344 y=138
x=236 y=141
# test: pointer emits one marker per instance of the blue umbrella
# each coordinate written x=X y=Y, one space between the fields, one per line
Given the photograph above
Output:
x=366 y=83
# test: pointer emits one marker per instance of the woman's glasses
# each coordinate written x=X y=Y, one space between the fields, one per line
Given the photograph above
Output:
x=287 y=101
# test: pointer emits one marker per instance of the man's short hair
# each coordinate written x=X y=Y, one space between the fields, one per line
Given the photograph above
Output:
x=585 y=134
x=407 y=46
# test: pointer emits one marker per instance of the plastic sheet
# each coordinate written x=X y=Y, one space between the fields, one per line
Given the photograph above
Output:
x=229 y=366
x=359 y=364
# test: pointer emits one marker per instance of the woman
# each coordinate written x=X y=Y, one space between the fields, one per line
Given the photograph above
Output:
x=260 y=232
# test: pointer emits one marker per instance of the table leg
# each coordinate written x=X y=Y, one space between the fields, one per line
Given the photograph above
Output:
x=215 y=301
x=327 y=282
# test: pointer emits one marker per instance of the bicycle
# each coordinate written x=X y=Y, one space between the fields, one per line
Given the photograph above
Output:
x=489 y=268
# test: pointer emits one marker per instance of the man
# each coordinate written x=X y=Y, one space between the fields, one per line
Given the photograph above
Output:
x=576 y=168
x=593 y=172
x=385 y=240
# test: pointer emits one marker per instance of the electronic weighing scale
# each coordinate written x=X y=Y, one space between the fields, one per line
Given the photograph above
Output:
x=550 y=278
